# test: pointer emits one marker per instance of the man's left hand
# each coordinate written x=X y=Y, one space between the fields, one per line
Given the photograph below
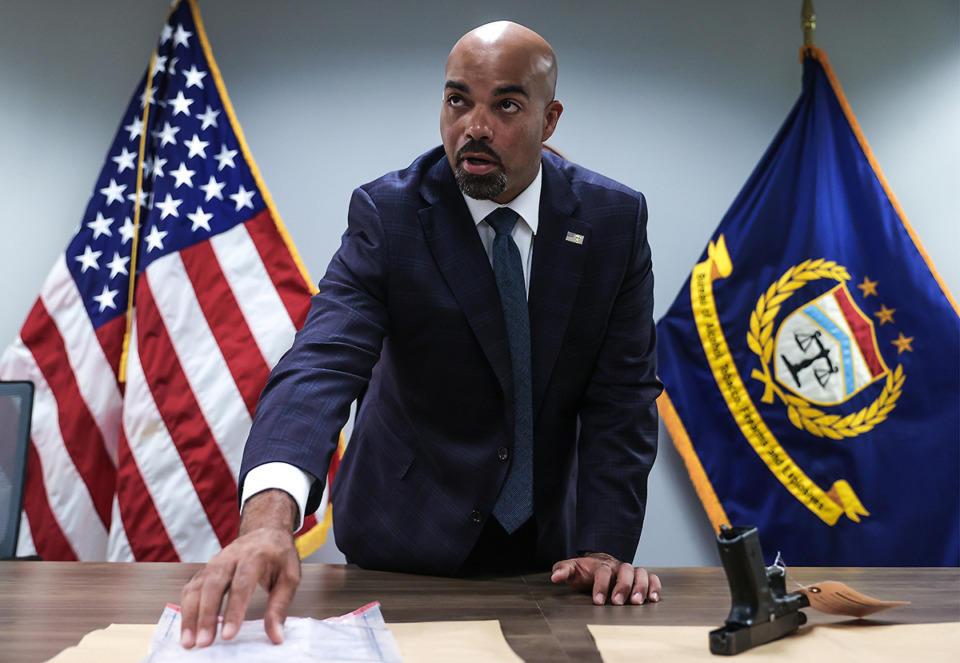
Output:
x=607 y=577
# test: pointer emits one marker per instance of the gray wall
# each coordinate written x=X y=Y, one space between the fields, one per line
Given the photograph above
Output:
x=678 y=99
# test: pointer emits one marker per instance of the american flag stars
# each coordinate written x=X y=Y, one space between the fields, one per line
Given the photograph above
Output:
x=196 y=147
x=190 y=186
x=100 y=225
x=195 y=78
x=208 y=118
x=89 y=259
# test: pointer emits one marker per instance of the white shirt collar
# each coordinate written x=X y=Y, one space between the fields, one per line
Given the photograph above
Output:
x=526 y=204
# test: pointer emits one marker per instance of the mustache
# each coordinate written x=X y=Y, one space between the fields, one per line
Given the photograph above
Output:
x=478 y=147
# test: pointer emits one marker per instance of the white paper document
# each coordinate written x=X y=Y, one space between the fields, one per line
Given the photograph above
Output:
x=359 y=637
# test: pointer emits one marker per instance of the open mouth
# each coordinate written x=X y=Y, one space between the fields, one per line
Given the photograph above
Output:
x=477 y=158
x=478 y=164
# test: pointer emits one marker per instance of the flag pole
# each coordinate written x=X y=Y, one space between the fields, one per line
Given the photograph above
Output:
x=808 y=21
x=131 y=285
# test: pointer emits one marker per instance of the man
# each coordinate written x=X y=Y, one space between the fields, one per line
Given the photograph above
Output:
x=487 y=438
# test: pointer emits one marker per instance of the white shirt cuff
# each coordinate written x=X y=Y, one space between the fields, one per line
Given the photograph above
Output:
x=282 y=476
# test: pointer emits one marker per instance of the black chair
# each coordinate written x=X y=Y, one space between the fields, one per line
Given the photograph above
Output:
x=16 y=407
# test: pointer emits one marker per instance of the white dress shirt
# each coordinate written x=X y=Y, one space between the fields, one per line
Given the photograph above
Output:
x=527 y=205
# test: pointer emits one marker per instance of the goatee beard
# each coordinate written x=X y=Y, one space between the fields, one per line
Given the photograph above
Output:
x=480 y=187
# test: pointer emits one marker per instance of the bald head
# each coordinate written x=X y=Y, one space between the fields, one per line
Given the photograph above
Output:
x=498 y=108
x=508 y=41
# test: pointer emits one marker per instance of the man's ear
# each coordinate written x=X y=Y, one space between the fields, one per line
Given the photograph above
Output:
x=551 y=115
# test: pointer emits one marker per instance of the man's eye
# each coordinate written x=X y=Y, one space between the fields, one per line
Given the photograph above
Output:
x=455 y=100
x=509 y=106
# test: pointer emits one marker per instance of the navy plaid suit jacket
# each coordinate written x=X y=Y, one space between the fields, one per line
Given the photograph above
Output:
x=408 y=320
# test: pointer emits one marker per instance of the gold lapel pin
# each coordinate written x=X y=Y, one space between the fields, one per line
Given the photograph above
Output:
x=575 y=238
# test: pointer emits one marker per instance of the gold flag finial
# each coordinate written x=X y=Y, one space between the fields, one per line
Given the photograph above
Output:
x=808 y=21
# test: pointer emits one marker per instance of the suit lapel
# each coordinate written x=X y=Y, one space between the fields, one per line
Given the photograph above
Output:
x=459 y=254
x=554 y=280
x=555 y=276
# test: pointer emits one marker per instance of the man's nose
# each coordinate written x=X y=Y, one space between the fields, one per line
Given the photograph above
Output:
x=479 y=126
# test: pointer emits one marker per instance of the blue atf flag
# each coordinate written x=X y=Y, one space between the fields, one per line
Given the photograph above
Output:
x=810 y=363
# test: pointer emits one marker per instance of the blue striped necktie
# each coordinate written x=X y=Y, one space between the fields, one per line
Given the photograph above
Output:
x=515 y=504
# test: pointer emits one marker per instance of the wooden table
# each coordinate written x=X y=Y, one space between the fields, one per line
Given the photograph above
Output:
x=48 y=606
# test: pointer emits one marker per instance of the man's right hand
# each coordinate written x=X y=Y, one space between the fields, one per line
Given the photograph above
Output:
x=264 y=554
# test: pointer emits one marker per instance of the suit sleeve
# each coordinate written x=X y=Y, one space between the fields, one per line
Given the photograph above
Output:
x=307 y=398
x=618 y=415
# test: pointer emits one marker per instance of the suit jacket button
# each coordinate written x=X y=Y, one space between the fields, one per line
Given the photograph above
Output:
x=476 y=516
x=502 y=453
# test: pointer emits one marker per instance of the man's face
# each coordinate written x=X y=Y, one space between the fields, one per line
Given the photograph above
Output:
x=497 y=111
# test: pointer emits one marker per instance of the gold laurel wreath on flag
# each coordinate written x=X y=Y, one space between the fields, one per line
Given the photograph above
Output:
x=800 y=412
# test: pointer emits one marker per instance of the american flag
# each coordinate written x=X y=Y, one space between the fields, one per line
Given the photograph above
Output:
x=141 y=411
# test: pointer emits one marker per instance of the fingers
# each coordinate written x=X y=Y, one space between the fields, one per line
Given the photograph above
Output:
x=624 y=590
x=278 y=603
x=603 y=578
x=194 y=617
x=241 y=589
x=655 y=588
x=189 y=607
x=646 y=587
x=200 y=603
x=563 y=571
x=279 y=574
x=578 y=573
x=266 y=557
x=641 y=586
x=211 y=598
x=607 y=579
x=632 y=585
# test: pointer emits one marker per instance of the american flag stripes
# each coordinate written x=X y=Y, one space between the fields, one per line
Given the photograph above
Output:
x=135 y=450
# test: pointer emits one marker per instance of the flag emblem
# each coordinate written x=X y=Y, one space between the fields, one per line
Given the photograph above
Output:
x=826 y=351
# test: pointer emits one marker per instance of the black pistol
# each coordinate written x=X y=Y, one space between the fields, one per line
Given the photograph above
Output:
x=762 y=611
